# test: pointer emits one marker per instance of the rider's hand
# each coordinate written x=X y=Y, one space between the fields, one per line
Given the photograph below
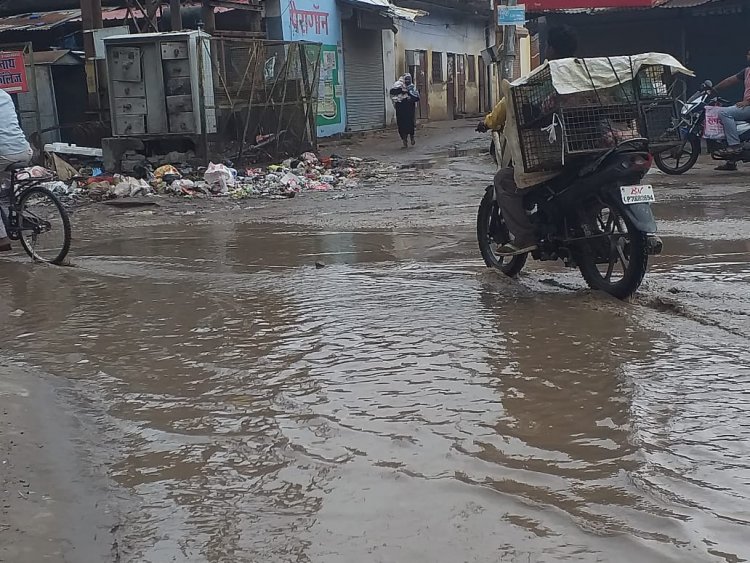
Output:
x=743 y=104
x=482 y=128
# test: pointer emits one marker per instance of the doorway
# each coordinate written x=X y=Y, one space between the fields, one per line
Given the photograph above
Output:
x=450 y=82
x=419 y=72
x=461 y=84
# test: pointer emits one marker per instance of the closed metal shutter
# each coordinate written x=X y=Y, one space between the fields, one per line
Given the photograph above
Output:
x=363 y=78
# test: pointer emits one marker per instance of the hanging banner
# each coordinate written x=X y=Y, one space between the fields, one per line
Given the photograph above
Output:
x=13 y=72
x=551 y=5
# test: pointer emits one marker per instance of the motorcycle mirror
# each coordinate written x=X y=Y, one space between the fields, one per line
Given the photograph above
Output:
x=707 y=85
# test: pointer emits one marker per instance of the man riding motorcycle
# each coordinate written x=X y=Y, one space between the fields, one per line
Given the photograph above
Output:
x=731 y=115
x=562 y=43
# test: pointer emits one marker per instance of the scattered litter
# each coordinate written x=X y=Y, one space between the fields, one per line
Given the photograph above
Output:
x=63 y=169
x=220 y=178
x=127 y=186
x=34 y=172
x=166 y=170
x=307 y=173
x=17 y=313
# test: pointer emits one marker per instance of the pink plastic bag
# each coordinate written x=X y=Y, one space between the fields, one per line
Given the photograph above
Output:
x=713 y=128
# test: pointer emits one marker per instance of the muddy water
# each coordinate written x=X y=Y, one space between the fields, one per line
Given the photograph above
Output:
x=399 y=404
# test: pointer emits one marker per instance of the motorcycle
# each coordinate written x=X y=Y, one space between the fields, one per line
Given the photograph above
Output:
x=595 y=216
x=681 y=158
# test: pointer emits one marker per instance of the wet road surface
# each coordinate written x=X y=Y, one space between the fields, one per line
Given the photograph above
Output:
x=402 y=403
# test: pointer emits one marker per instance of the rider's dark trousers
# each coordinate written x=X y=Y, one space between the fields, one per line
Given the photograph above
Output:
x=510 y=201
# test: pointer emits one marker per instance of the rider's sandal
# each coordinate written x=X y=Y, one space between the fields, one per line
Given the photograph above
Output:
x=513 y=250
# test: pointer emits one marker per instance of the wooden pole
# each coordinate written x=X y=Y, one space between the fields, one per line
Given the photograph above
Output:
x=91 y=18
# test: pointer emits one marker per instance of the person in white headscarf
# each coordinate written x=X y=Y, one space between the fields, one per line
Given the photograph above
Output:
x=405 y=98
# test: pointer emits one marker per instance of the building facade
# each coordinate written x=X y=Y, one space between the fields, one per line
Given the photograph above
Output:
x=368 y=44
x=442 y=50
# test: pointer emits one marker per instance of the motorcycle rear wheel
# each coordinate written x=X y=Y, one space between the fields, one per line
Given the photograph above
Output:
x=491 y=231
x=620 y=247
x=678 y=160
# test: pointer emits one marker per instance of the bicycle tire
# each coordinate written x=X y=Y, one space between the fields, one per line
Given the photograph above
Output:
x=59 y=256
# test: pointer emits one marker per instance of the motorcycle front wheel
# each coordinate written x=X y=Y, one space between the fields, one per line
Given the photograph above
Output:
x=492 y=232
x=680 y=159
x=615 y=259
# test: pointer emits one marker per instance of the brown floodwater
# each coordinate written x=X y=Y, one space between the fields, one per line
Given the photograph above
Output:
x=400 y=403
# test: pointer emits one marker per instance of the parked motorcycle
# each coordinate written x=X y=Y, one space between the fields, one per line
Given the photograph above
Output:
x=595 y=216
x=681 y=158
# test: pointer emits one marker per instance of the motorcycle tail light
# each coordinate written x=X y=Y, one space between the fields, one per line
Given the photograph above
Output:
x=641 y=163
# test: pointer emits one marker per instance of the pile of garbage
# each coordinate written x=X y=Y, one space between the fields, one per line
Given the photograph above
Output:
x=293 y=176
x=285 y=180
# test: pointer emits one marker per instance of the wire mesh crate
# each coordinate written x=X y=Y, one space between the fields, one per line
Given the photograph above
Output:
x=552 y=127
x=659 y=123
x=593 y=129
x=654 y=82
x=538 y=153
x=535 y=101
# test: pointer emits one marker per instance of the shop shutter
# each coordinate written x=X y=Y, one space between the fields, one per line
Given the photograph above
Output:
x=363 y=78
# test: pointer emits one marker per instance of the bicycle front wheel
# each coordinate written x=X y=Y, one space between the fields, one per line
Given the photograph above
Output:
x=44 y=225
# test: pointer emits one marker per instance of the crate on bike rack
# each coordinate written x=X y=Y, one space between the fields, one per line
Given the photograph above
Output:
x=654 y=82
x=554 y=127
x=658 y=123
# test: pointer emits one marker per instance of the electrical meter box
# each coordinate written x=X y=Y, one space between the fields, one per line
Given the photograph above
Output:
x=158 y=83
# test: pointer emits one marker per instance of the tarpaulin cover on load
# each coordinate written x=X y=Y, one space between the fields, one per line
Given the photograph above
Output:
x=583 y=75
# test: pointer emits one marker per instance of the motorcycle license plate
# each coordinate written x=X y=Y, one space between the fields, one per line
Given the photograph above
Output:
x=637 y=194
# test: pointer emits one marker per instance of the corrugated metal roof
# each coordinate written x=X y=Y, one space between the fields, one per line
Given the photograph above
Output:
x=45 y=21
x=37 y=21
x=65 y=56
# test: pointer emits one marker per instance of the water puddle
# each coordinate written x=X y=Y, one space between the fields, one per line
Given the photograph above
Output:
x=399 y=403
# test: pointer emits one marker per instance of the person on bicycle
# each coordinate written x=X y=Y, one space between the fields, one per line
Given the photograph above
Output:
x=14 y=149
x=562 y=43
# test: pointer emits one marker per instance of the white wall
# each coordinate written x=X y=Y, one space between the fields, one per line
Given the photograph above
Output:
x=440 y=33
x=445 y=34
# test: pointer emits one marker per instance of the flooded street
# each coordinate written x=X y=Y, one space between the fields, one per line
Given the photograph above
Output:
x=401 y=403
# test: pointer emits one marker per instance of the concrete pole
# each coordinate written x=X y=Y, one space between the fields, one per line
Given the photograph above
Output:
x=509 y=47
x=175 y=15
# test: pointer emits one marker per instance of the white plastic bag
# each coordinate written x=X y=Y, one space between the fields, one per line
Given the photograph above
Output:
x=221 y=177
x=713 y=128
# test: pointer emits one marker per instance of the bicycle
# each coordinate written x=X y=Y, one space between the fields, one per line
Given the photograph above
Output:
x=36 y=218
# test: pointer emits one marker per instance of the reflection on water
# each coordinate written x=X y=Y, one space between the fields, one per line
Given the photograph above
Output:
x=386 y=408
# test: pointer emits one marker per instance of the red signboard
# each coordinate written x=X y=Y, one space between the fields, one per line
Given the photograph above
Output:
x=551 y=5
x=13 y=72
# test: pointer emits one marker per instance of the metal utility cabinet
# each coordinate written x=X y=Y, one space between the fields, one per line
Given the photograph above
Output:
x=160 y=84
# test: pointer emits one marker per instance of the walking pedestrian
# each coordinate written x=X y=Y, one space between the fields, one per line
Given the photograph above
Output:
x=405 y=98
